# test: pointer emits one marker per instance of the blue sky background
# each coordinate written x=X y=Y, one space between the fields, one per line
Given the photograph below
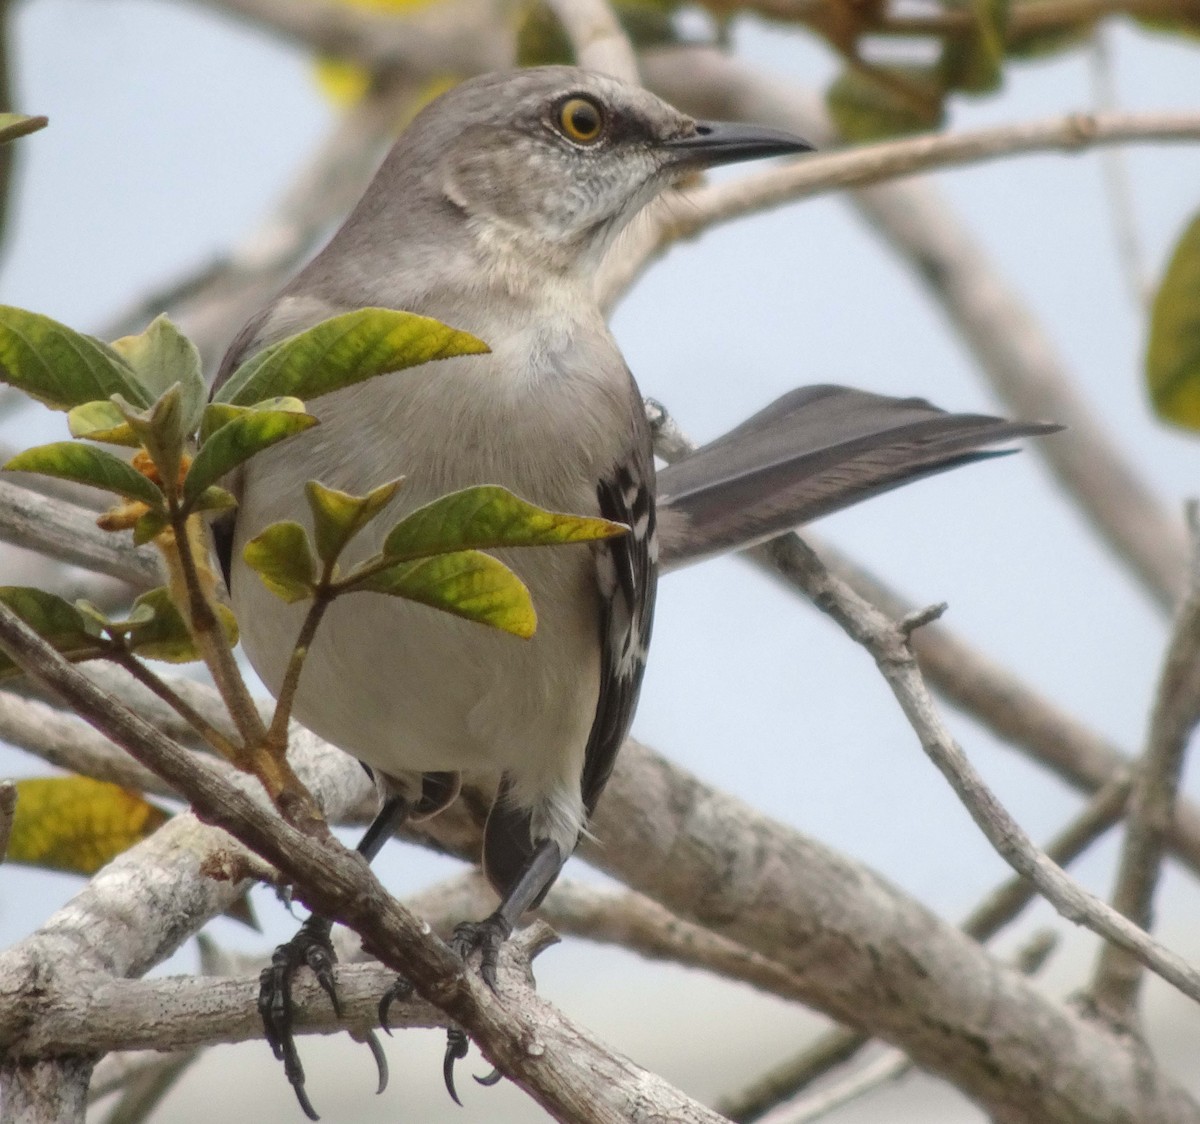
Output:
x=172 y=133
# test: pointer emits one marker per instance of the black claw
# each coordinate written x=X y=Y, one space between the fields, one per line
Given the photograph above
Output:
x=492 y=1078
x=400 y=990
x=457 y=1045
x=311 y=948
x=487 y=936
x=381 y=1064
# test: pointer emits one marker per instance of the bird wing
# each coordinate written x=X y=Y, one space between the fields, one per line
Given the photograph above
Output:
x=627 y=573
x=812 y=452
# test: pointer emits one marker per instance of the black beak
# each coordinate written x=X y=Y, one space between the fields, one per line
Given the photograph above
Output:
x=726 y=142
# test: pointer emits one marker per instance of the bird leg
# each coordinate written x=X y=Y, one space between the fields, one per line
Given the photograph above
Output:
x=486 y=936
x=312 y=947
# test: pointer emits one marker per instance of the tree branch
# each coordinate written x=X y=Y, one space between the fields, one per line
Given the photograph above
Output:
x=1176 y=711
x=69 y=533
x=596 y=35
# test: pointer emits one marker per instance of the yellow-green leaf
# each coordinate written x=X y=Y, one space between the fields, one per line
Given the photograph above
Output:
x=282 y=556
x=156 y=629
x=13 y=125
x=339 y=516
x=101 y=421
x=237 y=441
x=161 y=357
x=58 y=366
x=56 y=621
x=488 y=517
x=161 y=429
x=86 y=464
x=1173 y=350
x=342 y=351
x=77 y=824
x=467 y=584
x=885 y=102
x=218 y=414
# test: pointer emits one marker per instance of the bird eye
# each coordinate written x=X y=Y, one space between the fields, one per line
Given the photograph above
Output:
x=581 y=120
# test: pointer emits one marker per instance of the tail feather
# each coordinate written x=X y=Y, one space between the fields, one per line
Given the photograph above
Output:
x=812 y=452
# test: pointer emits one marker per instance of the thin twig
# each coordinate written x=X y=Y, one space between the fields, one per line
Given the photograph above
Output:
x=8 y=809
x=1176 y=711
x=163 y=690
x=888 y=644
x=322 y=599
x=870 y=164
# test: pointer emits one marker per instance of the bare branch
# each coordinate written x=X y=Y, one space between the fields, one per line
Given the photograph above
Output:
x=145 y=1091
x=62 y=530
x=1176 y=711
x=888 y=644
x=596 y=35
x=1010 y=346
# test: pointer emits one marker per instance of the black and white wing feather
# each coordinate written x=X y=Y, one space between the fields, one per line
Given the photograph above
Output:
x=627 y=574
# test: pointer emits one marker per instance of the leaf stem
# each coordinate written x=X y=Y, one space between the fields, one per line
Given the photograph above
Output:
x=323 y=597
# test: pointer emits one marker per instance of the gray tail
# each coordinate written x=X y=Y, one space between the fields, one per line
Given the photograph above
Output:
x=812 y=452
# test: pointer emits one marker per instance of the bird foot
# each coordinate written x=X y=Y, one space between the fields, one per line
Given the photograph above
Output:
x=310 y=947
x=486 y=937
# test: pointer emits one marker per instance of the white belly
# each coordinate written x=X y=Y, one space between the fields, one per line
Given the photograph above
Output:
x=402 y=686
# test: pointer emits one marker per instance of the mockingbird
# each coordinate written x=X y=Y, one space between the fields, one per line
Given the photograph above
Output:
x=492 y=213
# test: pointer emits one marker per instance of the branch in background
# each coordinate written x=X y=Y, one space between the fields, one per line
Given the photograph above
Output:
x=145 y=1091
x=1117 y=184
x=997 y=910
x=1003 y=334
x=596 y=37
x=69 y=533
x=1175 y=713
x=893 y=1064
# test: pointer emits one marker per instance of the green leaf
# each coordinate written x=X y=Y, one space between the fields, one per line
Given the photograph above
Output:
x=1173 y=349
x=77 y=824
x=58 y=366
x=217 y=414
x=343 y=351
x=56 y=621
x=155 y=628
x=214 y=499
x=975 y=62
x=466 y=583
x=85 y=464
x=161 y=357
x=488 y=517
x=885 y=102
x=161 y=430
x=339 y=516
x=13 y=125
x=282 y=556
x=239 y=440
x=102 y=421
x=149 y=525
